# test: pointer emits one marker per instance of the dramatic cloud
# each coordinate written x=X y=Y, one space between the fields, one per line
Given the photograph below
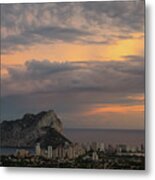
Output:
x=41 y=35
x=45 y=76
x=23 y=25
x=78 y=91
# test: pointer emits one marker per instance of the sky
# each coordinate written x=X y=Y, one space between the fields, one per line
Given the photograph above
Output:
x=84 y=60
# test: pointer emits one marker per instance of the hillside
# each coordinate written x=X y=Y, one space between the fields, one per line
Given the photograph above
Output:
x=44 y=127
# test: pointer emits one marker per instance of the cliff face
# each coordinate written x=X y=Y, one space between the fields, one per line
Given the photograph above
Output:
x=44 y=127
x=49 y=119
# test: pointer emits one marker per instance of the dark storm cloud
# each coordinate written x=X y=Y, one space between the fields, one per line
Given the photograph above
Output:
x=92 y=76
x=57 y=33
x=41 y=35
x=40 y=70
x=27 y=24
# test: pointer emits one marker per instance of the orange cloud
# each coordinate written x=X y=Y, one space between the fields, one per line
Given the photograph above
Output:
x=115 y=109
x=138 y=98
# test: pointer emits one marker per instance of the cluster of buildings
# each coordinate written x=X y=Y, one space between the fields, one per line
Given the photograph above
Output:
x=74 y=150
x=123 y=149
x=67 y=151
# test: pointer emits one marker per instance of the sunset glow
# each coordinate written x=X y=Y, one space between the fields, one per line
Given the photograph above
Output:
x=116 y=109
x=80 y=59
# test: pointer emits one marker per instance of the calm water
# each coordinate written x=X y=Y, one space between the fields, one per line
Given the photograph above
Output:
x=130 y=137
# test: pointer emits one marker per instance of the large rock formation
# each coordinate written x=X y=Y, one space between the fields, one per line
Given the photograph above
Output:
x=44 y=127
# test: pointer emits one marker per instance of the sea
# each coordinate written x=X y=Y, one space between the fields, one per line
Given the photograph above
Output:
x=107 y=136
x=112 y=137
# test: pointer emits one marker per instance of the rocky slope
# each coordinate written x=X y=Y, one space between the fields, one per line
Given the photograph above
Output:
x=44 y=127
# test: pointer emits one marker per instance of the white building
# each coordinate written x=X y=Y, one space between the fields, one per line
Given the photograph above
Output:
x=70 y=152
x=121 y=148
x=128 y=148
x=133 y=149
x=49 y=152
x=38 y=149
x=95 y=156
x=60 y=152
x=102 y=147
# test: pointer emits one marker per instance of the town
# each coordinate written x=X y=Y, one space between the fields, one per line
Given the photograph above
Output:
x=90 y=155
